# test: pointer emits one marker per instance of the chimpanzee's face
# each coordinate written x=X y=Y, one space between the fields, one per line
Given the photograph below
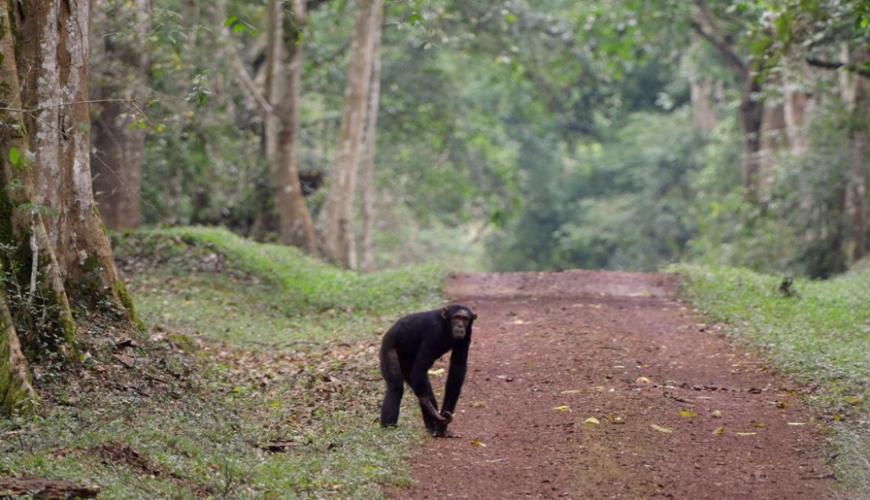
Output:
x=459 y=324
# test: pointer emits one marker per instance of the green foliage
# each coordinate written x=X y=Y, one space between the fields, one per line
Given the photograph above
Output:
x=625 y=204
x=279 y=295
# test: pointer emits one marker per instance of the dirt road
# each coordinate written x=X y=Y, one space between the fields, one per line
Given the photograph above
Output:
x=595 y=385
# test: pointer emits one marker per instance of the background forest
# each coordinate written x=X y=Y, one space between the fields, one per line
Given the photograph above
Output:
x=511 y=135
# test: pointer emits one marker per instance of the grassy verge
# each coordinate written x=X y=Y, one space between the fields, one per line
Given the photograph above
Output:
x=819 y=334
x=258 y=378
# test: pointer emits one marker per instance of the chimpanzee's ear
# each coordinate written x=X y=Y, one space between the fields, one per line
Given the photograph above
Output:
x=473 y=316
x=444 y=313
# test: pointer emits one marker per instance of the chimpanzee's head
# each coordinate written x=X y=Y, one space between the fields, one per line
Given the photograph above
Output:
x=460 y=318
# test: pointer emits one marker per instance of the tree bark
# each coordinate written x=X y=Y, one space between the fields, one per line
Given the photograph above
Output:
x=30 y=270
x=335 y=222
x=773 y=139
x=118 y=144
x=284 y=91
x=367 y=262
x=55 y=62
x=859 y=171
x=702 y=105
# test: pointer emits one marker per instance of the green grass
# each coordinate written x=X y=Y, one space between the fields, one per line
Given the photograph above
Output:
x=257 y=379
x=820 y=337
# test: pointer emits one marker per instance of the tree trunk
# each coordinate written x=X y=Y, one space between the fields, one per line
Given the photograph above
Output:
x=55 y=61
x=119 y=145
x=773 y=139
x=703 y=112
x=284 y=91
x=367 y=262
x=335 y=222
x=859 y=172
x=751 y=119
x=33 y=286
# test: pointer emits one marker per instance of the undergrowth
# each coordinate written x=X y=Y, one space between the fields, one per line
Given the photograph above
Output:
x=818 y=332
x=257 y=379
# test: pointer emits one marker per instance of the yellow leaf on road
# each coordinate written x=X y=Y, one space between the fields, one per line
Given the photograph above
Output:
x=478 y=443
x=719 y=431
x=561 y=408
x=437 y=372
x=759 y=426
x=478 y=404
x=797 y=423
x=688 y=414
x=643 y=380
x=746 y=433
x=661 y=429
x=574 y=391
x=592 y=420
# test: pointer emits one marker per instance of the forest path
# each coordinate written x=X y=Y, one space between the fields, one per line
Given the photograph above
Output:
x=551 y=350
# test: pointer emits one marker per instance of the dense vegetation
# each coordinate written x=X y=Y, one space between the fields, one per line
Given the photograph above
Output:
x=540 y=135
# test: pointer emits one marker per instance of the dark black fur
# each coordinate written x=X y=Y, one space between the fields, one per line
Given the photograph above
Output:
x=408 y=351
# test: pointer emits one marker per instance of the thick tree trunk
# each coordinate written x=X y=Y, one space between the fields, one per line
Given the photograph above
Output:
x=55 y=62
x=30 y=271
x=119 y=145
x=284 y=91
x=335 y=222
x=367 y=262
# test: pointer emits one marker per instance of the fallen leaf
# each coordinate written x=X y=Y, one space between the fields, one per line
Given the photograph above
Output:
x=782 y=404
x=759 y=426
x=643 y=380
x=519 y=322
x=797 y=423
x=719 y=431
x=746 y=433
x=661 y=429
x=561 y=408
x=479 y=404
x=591 y=420
x=853 y=401
x=716 y=414
x=478 y=443
x=616 y=420
x=688 y=414
x=437 y=372
x=573 y=391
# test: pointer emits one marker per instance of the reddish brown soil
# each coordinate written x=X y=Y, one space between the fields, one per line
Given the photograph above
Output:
x=636 y=358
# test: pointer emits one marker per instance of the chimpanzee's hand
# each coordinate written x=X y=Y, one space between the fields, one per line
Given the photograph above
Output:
x=441 y=429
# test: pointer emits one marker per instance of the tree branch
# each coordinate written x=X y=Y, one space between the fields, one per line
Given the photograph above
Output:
x=717 y=40
x=860 y=69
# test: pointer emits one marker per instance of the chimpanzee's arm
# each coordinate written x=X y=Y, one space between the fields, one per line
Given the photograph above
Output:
x=420 y=382
x=455 y=377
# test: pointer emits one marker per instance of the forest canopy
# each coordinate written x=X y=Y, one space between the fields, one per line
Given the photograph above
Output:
x=511 y=135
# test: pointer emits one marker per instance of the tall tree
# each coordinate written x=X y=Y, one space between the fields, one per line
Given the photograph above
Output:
x=284 y=90
x=121 y=68
x=367 y=202
x=335 y=222
x=55 y=247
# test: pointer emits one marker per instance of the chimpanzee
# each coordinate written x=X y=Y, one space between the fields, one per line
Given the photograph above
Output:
x=410 y=348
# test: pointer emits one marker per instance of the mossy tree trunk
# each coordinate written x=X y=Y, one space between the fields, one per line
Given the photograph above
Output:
x=52 y=245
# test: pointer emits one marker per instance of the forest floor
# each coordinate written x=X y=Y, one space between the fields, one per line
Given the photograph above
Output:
x=597 y=385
